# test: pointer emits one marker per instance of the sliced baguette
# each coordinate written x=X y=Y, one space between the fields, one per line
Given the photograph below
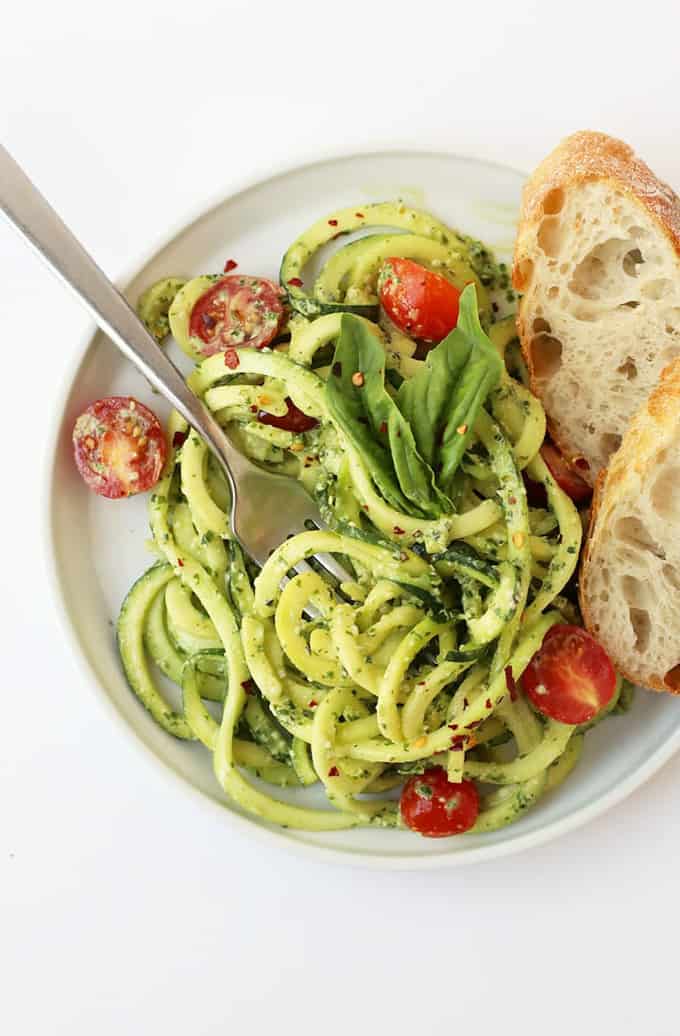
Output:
x=630 y=572
x=597 y=261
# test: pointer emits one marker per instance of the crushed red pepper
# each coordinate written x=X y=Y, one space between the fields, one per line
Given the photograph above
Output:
x=510 y=683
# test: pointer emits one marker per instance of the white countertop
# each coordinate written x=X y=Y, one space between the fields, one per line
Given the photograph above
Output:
x=124 y=908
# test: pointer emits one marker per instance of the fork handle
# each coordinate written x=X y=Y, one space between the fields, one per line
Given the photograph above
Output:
x=35 y=219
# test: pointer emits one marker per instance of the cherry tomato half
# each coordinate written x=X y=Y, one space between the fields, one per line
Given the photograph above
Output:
x=119 y=447
x=237 y=311
x=421 y=303
x=294 y=420
x=571 y=677
x=566 y=477
x=434 y=807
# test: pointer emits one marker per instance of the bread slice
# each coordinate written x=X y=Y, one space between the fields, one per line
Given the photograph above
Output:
x=597 y=260
x=630 y=572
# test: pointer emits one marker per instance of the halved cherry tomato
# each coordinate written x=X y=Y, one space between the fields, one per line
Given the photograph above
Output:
x=434 y=807
x=119 y=447
x=237 y=311
x=421 y=303
x=293 y=420
x=571 y=677
x=566 y=477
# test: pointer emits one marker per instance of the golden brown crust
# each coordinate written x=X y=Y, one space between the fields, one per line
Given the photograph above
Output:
x=656 y=423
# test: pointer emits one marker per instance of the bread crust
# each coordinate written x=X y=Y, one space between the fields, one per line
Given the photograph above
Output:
x=655 y=426
x=585 y=156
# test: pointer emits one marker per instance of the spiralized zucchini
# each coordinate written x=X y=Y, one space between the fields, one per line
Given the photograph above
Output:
x=410 y=663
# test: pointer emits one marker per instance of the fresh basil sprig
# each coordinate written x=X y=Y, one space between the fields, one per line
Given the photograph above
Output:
x=413 y=446
x=441 y=401
x=361 y=406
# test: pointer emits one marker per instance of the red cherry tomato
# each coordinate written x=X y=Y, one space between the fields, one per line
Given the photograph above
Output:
x=421 y=303
x=237 y=311
x=434 y=807
x=119 y=447
x=570 y=678
x=292 y=421
x=566 y=477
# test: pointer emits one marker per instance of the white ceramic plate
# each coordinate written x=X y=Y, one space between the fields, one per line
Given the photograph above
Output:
x=98 y=546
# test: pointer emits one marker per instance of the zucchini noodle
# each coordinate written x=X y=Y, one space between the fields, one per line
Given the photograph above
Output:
x=413 y=663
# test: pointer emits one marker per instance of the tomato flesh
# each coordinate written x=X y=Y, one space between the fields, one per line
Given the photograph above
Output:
x=237 y=311
x=571 y=677
x=421 y=303
x=119 y=447
x=567 y=479
x=294 y=420
x=434 y=807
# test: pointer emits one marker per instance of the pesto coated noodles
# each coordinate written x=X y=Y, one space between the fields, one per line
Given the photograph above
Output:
x=416 y=461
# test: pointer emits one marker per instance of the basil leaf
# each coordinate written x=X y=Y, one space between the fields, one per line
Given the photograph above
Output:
x=373 y=423
x=441 y=402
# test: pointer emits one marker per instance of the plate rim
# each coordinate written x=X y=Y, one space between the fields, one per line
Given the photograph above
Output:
x=251 y=827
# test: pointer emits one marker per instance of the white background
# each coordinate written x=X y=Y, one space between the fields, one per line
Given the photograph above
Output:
x=124 y=906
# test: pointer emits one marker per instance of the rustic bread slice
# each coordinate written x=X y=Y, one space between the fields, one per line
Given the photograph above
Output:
x=630 y=572
x=597 y=258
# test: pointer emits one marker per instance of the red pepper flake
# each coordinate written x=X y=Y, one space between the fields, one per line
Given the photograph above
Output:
x=230 y=265
x=333 y=772
x=295 y=282
x=180 y=562
x=398 y=531
x=512 y=500
x=465 y=703
x=383 y=427
x=488 y=704
x=475 y=723
x=253 y=409
x=178 y=439
x=312 y=704
x=332 y=222
x=510 y=683
x=231 y=359
x=359 y=215
x=453 y=726
x=364 y=507
x=248 y=686
x=459 y=741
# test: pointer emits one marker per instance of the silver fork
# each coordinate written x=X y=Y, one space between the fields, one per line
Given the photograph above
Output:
x=266 y=509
